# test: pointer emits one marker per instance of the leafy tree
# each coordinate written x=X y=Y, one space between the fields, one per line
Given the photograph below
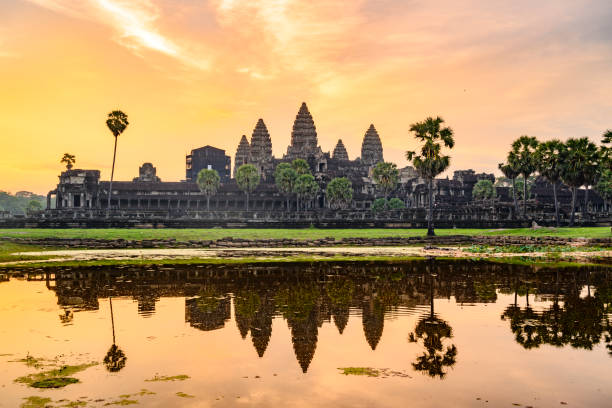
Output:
x=19 y=203
x=117 y=122
x=512 y=173
x=285 y=177
x=34 y=205
x=380 y=204
x=300 y=166
x=339 y=192
x=483 y=190
x=396 y=204
x=386 y=176
x=248 y=179
x=604 y=184
x=522 y=157
x=208 y=182
x=306 y=188
x=69 y=160
x=575 y=158
x=431 y=161
x=548 y=157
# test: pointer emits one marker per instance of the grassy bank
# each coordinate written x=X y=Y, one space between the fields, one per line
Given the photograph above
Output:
x=308 y=233
x=7 y=250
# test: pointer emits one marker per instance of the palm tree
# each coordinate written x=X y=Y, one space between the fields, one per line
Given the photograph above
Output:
x=576 y=157
x=548 y=158
x=248 y=179
x=117 y=121
x=69 y=160
x=432 y=330
x=208 y=183
x=115 y=358
x=339 y=192
x=300 y=166
x=285 y=177
x=431 y=162
x=512 y=173
x=305 y=188
x=591 y=172
x=386 y=177
x=522 y=158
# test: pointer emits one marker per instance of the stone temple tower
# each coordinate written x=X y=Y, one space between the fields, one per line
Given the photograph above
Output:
x=371 y=148
x=261 y=149
x=304 y=141
x=340 y=151
x=242 y=154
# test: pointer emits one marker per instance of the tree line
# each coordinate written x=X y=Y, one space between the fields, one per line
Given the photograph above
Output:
x=576 y=162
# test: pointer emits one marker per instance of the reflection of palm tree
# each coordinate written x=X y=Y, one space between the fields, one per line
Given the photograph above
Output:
x=115 y=357
x=432 y=330
x=580 y=322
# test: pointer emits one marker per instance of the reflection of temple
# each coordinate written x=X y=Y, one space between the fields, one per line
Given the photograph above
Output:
x=309 y=296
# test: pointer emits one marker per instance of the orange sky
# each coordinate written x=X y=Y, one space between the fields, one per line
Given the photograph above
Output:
x=195 y=72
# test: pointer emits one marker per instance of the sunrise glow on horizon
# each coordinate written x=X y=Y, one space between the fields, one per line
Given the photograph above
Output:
x=194 y=73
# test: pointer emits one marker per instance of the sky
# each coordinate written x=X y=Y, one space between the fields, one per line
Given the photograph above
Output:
x=194 y=72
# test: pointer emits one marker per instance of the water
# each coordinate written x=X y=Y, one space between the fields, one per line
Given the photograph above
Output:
x=461 y=334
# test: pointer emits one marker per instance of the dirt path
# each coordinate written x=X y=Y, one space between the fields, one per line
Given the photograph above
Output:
x=276 y=253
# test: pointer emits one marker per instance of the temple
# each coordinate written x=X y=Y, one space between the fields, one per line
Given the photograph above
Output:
x=81 y=194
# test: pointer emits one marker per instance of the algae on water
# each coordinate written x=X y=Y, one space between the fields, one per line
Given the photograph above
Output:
x=181 y=377
x=56 y=378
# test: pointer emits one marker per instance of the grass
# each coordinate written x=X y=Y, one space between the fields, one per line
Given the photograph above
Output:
x=306 y=233
x=7 y=249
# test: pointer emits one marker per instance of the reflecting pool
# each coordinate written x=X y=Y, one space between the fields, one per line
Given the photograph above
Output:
x=422 y=334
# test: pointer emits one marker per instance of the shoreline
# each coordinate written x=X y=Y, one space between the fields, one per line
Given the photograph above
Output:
x=92 y=257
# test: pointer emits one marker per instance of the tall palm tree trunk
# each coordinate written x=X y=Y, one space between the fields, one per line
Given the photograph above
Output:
x=571 y=223
x=516 y=207
x=207 y=203
x=110 y=187
x=586 y=201
x=430 y=227
x=524 y=195
x=110 y=300
x=247 y=201
x=556 y=204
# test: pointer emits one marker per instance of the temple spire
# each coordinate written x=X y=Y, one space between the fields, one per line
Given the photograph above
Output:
x=371 y=148
x=340 y=151
x=242 y=153
x=261 y=143
x=304 y=140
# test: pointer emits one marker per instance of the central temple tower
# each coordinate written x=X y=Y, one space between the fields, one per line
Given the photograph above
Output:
x=304 y=141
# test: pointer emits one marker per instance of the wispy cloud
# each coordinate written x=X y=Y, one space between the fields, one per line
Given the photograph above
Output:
x=134 y=23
